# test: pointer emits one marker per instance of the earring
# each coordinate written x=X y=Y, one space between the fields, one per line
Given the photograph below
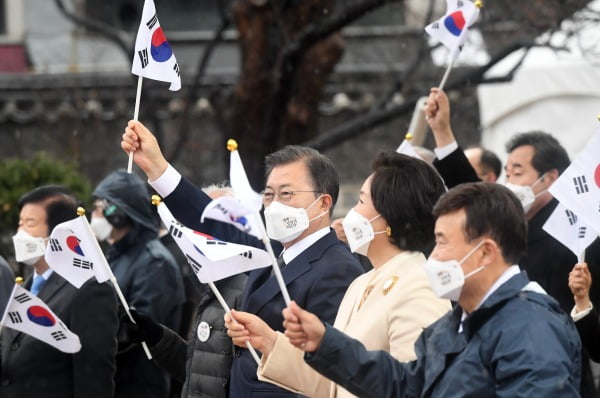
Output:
x=388 y=230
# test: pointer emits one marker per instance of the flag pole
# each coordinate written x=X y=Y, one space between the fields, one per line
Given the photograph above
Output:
x=228 y=311
x=18 y=282
x=454 y=54
x=136 y=113
x=232 y=145
x=92 y=238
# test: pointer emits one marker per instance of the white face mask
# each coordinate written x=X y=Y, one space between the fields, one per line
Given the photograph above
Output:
x=359 y=231
x=447 y=277
x=525 y=193
x=101 y=228
x=285 y=223
x=28 y=249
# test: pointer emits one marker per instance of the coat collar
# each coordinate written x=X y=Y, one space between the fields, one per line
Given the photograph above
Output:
x=445 y=343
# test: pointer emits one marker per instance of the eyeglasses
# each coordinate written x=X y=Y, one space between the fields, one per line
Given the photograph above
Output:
x=284 y=196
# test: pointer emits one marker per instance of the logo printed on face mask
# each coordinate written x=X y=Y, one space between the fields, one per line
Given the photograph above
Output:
x=358 y=233
x=28 y=249
x=447 y=277
x=286 y=223
x=290 y=222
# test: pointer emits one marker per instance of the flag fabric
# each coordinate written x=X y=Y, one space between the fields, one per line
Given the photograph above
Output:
x=210 y=258
x=452 y=29
x=229 y=210
x=73 y=253
x=30 y=315
x=154 y=57
x=578 y=187
x=407 y=149
x=249 y=198
x=570 y=230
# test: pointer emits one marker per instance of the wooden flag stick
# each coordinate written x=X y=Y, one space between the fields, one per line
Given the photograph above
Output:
x=136 y=113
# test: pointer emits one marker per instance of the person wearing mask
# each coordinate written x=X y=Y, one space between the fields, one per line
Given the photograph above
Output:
x=146 y=272
x=505 y=338
x=31 y=368
x=301 y=189
x=535 y=160
x=386 y=308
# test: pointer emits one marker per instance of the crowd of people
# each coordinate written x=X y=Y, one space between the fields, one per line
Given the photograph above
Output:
x=439 y=282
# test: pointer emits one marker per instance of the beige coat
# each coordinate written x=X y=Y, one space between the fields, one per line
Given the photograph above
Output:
x=386 y=309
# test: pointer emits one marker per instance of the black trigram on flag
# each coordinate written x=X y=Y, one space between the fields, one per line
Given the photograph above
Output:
x=22 y=298
x=174 y=231
x=580 y=185
x=83 y=264
x=15 y=317
x=247 y=254
x=143 y=54
x=55 y=245
x=152 y=21
x=460 y=4
x=193 y=263
x=581 y=233
x=215 y=242
x=58 y=335
x=176 y=69
x=571 y=217
x=435 y=25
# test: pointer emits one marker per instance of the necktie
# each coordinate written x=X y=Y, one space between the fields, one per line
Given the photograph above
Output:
x=36 y=285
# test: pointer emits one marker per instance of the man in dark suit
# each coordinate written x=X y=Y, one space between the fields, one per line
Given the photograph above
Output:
x=31 y=368
x=535 y=161
x=301 y=185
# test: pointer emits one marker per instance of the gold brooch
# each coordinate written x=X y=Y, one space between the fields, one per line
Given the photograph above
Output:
x=389 y=284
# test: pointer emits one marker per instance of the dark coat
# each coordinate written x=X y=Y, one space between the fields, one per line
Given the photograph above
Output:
x=32 y=369
x=7 y=281
x=503 y=351
x=317 y=279
x=204 y=367
x=589 y=331
x=149 y=279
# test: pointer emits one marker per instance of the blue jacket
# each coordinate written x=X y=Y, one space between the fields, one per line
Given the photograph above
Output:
x=316 y=279
x=519 y=343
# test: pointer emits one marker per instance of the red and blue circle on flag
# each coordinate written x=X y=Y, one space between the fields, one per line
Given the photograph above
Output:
x=40 y=316
x=73 y=244
x=455 y=22
x=159 y=48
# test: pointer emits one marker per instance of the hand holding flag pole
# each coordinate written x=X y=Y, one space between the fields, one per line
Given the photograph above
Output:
x=90 y=237
x=238 y=178
x=195 y=254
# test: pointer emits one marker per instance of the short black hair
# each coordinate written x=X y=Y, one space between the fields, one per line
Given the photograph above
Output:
x=490 y=161
x=491 y=210
x=57 y=200
x=404 y=190
x=549 y=154
x=322 y=171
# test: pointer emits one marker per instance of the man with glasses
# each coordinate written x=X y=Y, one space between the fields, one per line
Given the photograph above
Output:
x=301 y=190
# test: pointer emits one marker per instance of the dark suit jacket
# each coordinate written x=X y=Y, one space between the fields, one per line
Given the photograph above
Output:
x=317 y=280
x=546 y=261
x=589 y=331
x=31 y=368
x=7 y=281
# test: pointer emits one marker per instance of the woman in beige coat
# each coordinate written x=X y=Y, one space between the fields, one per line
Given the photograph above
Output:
x=386 y=308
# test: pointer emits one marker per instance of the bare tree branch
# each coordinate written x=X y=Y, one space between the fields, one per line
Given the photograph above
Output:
x=96 y=26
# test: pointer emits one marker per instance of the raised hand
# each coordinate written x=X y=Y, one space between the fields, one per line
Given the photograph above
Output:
x=304 y=330
x=147 y=154
x=249 y=327
x=580 y=281
x=437 y=114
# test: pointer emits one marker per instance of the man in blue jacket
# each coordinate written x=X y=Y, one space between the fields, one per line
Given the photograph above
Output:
x=301 y=189
x=506 y=337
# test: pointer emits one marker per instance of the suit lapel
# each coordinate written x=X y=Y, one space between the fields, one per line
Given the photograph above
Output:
x=261 y=294
x=51 y=287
